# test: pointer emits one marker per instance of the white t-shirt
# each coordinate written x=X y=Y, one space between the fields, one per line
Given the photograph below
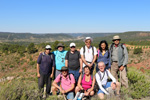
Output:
x=88 y=54
x=104 y=80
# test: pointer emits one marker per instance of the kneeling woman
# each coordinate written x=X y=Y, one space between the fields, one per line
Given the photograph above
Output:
x=85 y=83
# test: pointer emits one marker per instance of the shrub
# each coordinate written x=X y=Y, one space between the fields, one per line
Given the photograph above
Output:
x=137 y=51
x=20 y=90
x=11 y=66
x=138 y=84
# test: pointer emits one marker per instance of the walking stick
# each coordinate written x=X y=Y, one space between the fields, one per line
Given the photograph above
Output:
x=64 y=96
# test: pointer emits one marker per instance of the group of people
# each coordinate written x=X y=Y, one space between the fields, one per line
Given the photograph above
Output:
x=74 y=69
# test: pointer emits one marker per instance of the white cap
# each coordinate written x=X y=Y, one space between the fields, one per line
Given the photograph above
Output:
x=48 y=47
x=72 y=44
x=88 y=38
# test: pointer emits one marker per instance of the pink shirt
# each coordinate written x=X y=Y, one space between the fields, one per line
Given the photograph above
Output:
x=65 y=82
x=86 y=85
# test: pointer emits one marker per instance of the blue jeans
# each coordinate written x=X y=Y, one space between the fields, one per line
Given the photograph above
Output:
x=70 y=95
x=105 y=86
x=75 y=73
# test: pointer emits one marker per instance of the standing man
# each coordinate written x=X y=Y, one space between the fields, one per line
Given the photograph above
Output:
x=88 y=53
x=45 y=69
x=73 y=61
x=59 y=58
x=119 y=60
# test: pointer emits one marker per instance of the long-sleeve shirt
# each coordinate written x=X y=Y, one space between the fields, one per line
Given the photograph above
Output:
x=102 y=82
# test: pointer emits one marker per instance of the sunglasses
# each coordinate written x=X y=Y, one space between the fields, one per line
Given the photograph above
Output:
x=48 y=49
x=117 y=40
x=73 y=47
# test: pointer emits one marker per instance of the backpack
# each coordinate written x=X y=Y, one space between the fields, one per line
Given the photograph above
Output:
x=43 y=54
x=61 y=76
x=111 y=47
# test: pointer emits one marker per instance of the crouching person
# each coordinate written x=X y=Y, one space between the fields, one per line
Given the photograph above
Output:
x=86 y=84
x=101 y=78
x=67 y=83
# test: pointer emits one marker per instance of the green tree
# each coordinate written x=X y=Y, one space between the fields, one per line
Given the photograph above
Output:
x=31 y=48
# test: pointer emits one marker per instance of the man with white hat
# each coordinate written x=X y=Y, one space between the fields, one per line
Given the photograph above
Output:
x=88 y=53
x=119 y=60
x=45 y=69
x=73 y=61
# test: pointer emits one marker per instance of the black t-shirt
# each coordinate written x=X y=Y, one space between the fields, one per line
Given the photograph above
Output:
x=73 y=60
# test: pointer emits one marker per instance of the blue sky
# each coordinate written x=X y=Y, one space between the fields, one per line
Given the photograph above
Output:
x=74 y=16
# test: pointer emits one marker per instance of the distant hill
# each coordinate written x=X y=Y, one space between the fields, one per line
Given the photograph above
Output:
x=28 y=37
x=133 y=36
x=38 y=38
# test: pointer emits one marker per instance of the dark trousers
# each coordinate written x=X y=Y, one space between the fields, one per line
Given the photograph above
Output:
x=75 y=73
x=42 y=80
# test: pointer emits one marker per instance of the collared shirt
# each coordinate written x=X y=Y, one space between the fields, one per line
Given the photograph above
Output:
x=65 y=82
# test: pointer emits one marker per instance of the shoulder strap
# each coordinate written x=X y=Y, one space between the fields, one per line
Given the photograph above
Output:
x=51 y=56
x=99 y=75
x=93 y=51
x=98 y=52
x=92 y=77
x=68 y=54
x=60 y=77
x=107 y=73
x=84 y=51
x=122 y=46
x=43 y=54
x=108 y=54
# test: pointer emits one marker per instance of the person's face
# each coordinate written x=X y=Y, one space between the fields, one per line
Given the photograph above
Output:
x=73 y=48
x=86 y=71
x=101 y=67
x=47 y=51
x=116 y=42
x=65 y=72
x=88 y=43
x=103 y=46
x=60 y=48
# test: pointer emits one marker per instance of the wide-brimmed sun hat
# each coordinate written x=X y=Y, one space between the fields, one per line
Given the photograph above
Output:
x=64 y=68
x=88 y=38
x=116 y=37
x=60 y=45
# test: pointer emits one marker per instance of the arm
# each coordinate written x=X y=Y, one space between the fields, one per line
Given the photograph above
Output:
x=95 y=56
x=66 y=59
x=79 y=82
x=126 y=56
x=83 y=60
x=66 y=63
x=81 y=65
x=111 y=76
x=55 y=85
x=38 y=65
x=72 y=87
x=38 y=68
x=100 y=85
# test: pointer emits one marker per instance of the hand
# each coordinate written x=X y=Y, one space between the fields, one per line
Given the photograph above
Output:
x=63 y=91
x=51 y=76
x=38 y=75
x=89 y=90
x=121 y=68
x=90 y=65
x=80 y=71
x=86 y=93
x=109 y=69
